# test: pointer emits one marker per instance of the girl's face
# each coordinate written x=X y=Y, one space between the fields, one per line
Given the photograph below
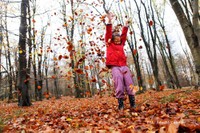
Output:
x=117 y=40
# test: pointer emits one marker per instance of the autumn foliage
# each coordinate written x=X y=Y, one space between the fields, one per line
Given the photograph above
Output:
x=165 y=111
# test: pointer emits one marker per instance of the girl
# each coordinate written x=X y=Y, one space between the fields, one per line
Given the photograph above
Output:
x=116 y=61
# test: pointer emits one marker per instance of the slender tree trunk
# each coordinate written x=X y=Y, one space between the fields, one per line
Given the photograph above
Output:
x=24 y=99
x=57 y=94
x=46 y=64
x=40 y=72
x=10 y=69
x=29 y=41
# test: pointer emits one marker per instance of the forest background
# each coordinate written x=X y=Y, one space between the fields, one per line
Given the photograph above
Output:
x=55 y=48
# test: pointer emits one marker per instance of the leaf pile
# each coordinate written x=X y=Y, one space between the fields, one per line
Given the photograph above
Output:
x=165 y=111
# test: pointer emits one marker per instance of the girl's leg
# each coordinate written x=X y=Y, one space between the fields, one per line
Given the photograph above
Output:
x=128 y=80
x=118 y=82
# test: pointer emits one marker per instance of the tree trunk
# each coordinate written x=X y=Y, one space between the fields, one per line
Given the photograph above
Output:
x=190 y=30
x=1 y=42
x=10 y=69
x=24 y=99
x=55 y=79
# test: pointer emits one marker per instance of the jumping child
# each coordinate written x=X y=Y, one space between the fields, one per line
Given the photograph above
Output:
x=116 y=61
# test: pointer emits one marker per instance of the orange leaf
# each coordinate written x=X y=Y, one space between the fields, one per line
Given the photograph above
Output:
x=93 y=79
x=86 y=67
x=59 y=57
x=91 y=66
x=65 y=25
x=89 y=30
x=65 y=57
x=71 y=18
x=33 y=20
x=103 y=81
x=78 y=70
x=39 y=87
x=69 y=47
x=134 y=51
x=53 y=76
x=161 y=87
x=55 y=59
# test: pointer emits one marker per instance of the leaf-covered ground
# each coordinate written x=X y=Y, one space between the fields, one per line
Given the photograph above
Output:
x=167 y=111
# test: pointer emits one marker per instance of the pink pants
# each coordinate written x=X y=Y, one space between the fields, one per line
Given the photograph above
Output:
x=122 y=81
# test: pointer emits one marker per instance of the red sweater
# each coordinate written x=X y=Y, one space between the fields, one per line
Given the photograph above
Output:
x=115 y=55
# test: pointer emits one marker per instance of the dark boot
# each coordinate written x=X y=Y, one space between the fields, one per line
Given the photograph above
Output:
x=132 y=101
x=120 y=103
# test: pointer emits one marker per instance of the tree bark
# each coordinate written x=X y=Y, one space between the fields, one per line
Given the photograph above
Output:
x=191 y=31
x=24 y=99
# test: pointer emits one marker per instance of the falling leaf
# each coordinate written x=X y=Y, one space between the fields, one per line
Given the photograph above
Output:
x=93 y=79
x=55 y=59
x=140 y=47
x=53 y=77
x=60 y=57
x=102 y=18
x=80 y=61
x=131 y=32
x=89 y=30
x=69 y=47
x=20 y=51
x=71 y=18
x=78 y=70
x=39 y=87
x=33 y=20
x=150 y=23
x=161 y=87
x=103 y=81
x=65 y=25
x=134 y=51
x=86 y=67
x=66 y=57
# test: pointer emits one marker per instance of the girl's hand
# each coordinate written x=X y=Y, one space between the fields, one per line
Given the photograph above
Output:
x=110 y=17
x=128 y=22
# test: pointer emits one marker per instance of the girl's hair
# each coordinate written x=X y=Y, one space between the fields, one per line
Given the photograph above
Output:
x=114 y=34
x=116 y=31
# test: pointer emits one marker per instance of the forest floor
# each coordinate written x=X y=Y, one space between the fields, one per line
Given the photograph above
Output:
x=167 y=111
